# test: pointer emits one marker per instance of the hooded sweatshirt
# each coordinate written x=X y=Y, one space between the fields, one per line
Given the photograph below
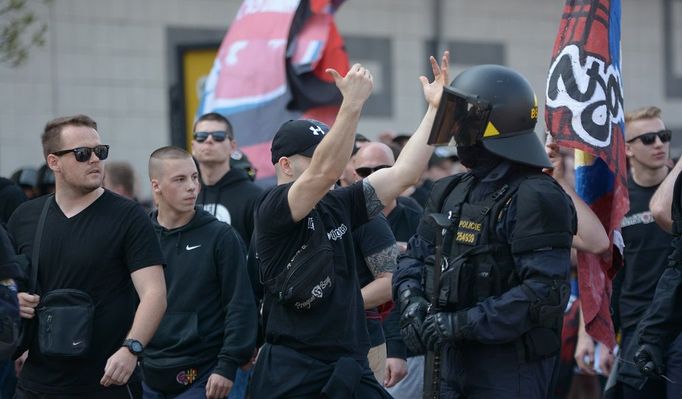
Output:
x=231 y=200
x=211 y=314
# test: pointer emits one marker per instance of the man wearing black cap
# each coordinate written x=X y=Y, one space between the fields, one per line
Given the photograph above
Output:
x=316 y=336
x=505 y=230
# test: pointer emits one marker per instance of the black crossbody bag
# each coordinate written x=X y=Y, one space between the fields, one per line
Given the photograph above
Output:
x=308 y=279
x=65 y=316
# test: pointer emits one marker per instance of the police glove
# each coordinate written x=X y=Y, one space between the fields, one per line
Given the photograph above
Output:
x=649 y=359
x=440 y=328
x=414 y=311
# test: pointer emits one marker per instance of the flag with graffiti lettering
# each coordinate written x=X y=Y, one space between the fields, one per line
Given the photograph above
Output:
x=584 y=111
x=271 y=68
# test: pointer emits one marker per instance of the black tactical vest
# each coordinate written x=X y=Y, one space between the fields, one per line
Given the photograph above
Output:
x=475 y=266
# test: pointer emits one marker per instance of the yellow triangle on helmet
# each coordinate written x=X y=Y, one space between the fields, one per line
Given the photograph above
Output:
x=490 y=130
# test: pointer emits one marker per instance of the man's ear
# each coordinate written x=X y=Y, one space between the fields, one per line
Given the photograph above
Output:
x=155 y=186
x=285 y=166
x=52 y=162
x=628 y=150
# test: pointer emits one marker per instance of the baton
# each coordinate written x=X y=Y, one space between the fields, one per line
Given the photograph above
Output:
x=432 y=366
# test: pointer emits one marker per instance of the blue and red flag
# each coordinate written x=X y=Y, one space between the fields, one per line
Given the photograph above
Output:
x=584 y=110
x=271 y=68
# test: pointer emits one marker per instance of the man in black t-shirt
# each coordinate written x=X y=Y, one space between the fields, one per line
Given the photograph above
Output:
x=376 y=257
x=318 y=345
x=98 y=243
x=403 y=216
x=646 y=248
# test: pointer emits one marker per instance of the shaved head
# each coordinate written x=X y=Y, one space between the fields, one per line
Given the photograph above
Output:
x=374 y=154
x=163 y=154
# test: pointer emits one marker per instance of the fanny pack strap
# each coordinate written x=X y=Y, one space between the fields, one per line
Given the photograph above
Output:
x=36 y=245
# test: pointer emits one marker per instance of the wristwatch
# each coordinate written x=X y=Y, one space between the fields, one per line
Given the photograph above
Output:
x=134 y=346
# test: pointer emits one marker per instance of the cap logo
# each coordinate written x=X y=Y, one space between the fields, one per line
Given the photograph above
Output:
x=316 y=130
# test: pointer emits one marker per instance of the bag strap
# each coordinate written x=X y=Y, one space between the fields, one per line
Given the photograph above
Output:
x=36 y=245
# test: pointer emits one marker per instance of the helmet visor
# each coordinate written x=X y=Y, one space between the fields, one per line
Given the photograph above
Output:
x=461 y=117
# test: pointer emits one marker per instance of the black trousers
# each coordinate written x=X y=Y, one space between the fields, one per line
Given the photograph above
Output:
x=479 y=371
x=282 y=372
x=130 y=391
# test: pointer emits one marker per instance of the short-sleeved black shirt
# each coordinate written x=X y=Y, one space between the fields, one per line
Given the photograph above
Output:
x=404 y=218
x=647 y=247
x=94 y=251
x=336 y=329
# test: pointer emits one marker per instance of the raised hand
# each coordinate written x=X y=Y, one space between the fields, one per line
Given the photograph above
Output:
x=356 y=86
x=552 y=150
x=433 y=91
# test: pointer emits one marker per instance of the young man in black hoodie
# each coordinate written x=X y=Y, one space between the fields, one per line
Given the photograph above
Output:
x=209 y=329
x=226 y=193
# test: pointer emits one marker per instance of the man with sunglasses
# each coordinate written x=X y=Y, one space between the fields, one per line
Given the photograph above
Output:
x=647 y=246
x=504 y=231
x=101 y=244
x=404 y=373
x=226 y=192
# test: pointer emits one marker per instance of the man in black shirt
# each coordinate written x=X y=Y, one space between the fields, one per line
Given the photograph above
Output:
x=316 y=341
x=403 y=215
x=100 y=244
x=9 y=305
x=646 y=247
x=377 y=253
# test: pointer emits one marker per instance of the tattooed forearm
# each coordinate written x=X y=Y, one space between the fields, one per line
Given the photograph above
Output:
x=383 y=261
x=372 y=201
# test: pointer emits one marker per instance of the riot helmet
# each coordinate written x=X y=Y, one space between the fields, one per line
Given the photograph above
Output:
x=495 y=106
x=46 y=180
x=25 y=177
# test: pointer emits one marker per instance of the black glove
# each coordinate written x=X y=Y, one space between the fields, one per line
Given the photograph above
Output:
x=649 y=359
x=440 y=328
x=414 y=309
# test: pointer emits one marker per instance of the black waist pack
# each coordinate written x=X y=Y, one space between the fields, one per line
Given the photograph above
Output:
x=65 y=320
x=308 y=279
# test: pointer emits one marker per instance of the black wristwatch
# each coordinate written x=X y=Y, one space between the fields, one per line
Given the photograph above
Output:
x=134 y=346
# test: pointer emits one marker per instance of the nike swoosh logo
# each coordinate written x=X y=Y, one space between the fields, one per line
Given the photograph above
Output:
x=76 y=343
x=191 y=248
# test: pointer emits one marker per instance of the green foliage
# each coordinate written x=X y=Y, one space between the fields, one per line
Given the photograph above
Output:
x=20 y=30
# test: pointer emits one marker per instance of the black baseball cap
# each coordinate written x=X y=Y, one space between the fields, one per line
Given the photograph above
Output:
x=297 y=137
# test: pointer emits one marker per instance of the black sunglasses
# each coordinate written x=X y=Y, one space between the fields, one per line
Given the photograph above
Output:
x=650 y=138
x=217 y=136
x=366 y=171
x=83 y=154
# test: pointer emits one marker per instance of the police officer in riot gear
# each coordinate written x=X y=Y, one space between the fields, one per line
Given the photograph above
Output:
x=496 y=320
